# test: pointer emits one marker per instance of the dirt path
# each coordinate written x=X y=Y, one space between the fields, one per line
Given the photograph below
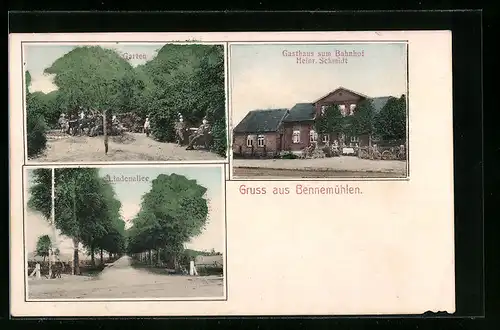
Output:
x=271 y=173
x=121 y=280
x=130 y=147
x=319 y=168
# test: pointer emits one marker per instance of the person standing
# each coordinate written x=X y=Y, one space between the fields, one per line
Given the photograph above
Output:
x=146 y=127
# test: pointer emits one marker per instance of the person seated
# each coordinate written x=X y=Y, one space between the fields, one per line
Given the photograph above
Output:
x=203 y=130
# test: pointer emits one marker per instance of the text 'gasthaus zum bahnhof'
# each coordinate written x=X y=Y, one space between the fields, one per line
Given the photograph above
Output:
x=333 y=56
x=300 y=189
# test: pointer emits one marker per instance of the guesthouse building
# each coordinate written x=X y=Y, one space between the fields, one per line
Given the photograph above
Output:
x=280 y=130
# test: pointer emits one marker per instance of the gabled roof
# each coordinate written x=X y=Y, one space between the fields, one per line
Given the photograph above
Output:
x=379 y=102
x=341 y=88
x=261 y=121
x=301 y=112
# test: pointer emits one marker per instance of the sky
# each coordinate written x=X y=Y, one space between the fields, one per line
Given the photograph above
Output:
x=262 y=78
x=130 y=194
x=39 y=57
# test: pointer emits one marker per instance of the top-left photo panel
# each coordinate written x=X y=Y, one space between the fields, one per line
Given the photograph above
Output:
x=125 y=102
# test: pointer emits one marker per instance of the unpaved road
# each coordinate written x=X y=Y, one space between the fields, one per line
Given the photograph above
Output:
x=130 y=147
x=346 y=166
x=270 y=173
x=121 y=280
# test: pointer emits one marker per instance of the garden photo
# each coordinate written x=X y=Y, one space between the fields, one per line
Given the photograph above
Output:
x=125 y=102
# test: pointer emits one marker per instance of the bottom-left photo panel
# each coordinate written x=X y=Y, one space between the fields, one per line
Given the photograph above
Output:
x=123 y=232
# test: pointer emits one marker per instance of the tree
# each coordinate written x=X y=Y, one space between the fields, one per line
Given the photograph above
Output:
x=172 y=212
x=43 y=246
x=331 y=121
x=185 y=79
x=85 y=208
x=94 y=77
x=40 y=199
x=36 y=126
x=363 y=120
x=390 y=123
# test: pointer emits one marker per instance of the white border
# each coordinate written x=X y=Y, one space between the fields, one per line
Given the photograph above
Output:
x=118 y=166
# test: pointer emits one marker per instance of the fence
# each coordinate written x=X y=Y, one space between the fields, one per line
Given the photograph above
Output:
x=86 y=266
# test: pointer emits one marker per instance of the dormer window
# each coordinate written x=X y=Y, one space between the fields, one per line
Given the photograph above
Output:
x=342 y=109
x=351 y=109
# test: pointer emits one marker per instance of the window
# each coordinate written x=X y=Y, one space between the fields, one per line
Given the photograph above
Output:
x=326 y=138
x=342 y=109
x=296 y=136
x=313 y=136
x=249 y=141
x=351 y=109
x=260 y=141
x=354 y=139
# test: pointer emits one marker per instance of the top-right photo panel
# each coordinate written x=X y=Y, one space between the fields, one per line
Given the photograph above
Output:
x=322 y=110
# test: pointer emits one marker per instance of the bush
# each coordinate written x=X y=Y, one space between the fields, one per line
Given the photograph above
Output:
x=36 y=133
x=219 y=138
x=289 y=155
x=162 y=125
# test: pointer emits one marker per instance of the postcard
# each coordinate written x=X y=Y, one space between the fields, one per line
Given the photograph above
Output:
x=231 y=173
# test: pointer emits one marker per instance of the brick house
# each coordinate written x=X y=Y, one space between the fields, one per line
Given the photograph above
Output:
x=260 y=133
x=295 y=130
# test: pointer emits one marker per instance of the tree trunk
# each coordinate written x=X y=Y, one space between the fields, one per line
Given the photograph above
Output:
x=76 y=242
x=102 y=257
x=92 y=251
x=369 y=140
x=105 y=131
x=150 y=257
x=159 y=258
x=176 y=264
x=76 y=257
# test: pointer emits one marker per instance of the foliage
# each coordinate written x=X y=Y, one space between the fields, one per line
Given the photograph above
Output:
x=40 y=199
x=390 y=123
x=43 y=246
x=36 y=126
x=362 y=122
x=331 y=121
x=94 y=77
x=185 y=79
x=172 y=212
x=86 y=209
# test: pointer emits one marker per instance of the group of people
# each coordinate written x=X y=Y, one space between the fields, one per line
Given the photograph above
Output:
x=93 y=122
x=89 y=122
x=201 y=134
x=182 y=132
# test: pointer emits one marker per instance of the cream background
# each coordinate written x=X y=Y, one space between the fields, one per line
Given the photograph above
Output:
x=388 y=251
